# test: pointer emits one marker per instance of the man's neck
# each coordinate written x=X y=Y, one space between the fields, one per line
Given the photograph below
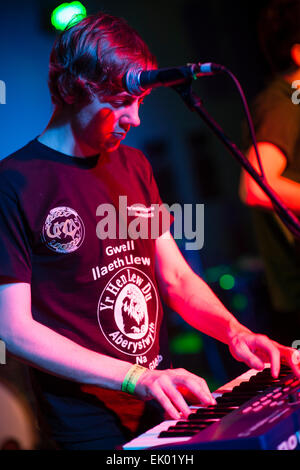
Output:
x=59 y=135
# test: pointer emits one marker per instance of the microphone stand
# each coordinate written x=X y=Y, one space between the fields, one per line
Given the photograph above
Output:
x=194 y=103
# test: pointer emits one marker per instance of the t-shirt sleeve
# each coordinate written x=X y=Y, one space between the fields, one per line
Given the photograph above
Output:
x=279 y=126
x=15 y=249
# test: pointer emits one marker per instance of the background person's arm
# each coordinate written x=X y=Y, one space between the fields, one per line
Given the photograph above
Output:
x=273 y=162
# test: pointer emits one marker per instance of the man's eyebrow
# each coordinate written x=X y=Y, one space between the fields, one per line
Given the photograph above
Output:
x=125 y=94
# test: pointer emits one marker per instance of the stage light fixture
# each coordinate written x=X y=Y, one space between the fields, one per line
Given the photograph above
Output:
x=67 y=14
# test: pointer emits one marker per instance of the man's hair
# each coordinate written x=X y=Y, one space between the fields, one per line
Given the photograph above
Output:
x=279 y=30
x=92 y=56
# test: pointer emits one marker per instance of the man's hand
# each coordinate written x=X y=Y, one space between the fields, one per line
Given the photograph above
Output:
x=169 y=387
x=290 y=357
x=256 y=350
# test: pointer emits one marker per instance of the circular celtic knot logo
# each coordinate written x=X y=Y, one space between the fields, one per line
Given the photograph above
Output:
x=63 y=231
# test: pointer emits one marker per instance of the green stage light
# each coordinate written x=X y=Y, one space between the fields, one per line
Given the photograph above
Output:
x=215 y=272
x=186 y=343
x=227 y=281
x=67 y=14
x=239 y=302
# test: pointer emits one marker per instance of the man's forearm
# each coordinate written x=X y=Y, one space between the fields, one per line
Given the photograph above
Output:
x=288 y=192
x=274 y=162
x=42 y=347
x=200 y=307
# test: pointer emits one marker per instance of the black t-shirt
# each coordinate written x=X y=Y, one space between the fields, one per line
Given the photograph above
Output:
x=277 y=120
x=99 y=292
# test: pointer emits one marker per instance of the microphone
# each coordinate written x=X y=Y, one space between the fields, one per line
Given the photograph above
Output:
x=136 y=81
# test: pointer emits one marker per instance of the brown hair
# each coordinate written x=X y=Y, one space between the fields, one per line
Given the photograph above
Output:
x=92 y=57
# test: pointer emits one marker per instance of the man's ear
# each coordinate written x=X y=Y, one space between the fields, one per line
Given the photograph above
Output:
x=295 y=54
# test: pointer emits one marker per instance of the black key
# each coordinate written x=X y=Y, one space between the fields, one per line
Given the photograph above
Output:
x=234 y=398
x=217 y=414
x=187 y=426
x=224 y=407
x=205 y=420
x=236 y=394
x=177 y=433
x=249 y=387
x=237 y=401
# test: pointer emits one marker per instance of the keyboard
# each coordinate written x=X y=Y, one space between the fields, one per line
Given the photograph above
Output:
x=254 y=411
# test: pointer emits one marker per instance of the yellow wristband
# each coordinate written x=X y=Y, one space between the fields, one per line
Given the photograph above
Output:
x=131 y=378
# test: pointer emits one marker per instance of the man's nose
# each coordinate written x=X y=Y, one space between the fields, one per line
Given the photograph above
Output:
x=132 y=115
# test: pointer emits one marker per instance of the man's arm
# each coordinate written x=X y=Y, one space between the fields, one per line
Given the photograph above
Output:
x=42 y=347
x=187 y=294
x=39 y=345
x=273 y=162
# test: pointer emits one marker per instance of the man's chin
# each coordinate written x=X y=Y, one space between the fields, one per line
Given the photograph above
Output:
x=110 y=147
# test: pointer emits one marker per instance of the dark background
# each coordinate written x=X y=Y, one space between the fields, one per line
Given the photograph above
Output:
x=190 y=164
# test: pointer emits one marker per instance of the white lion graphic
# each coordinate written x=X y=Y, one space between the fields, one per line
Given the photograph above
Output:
x=133 y=312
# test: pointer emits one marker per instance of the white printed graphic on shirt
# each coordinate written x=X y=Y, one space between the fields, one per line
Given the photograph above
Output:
x=139 y=210
x=127 y=311
x=63 y=230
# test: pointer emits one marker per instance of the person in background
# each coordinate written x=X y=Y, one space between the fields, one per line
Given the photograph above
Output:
x=276 y=119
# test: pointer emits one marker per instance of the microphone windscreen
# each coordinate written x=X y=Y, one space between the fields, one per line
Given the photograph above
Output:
x=131 y=81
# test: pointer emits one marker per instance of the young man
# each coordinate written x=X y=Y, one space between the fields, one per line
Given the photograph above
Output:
x=84 y=310
x=276 y=119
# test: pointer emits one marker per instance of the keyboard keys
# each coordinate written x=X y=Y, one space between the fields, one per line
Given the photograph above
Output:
x=257 y=408
x=288 y=382
x=266 y=402
x=267 y=391
x=247 y=410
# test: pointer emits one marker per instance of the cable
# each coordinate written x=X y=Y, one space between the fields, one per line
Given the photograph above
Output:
x=248 y=117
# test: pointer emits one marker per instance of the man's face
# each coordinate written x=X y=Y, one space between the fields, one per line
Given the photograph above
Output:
x=102 y=124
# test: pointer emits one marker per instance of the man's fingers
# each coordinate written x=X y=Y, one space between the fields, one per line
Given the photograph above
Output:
x=255 y=350
x=265 y=345
x=291 y=357
x=166 y=389
x=173 y=403
x=198 y=388
x=243 y=353
x=295 y=364
x=295 y=358
x=175 y=396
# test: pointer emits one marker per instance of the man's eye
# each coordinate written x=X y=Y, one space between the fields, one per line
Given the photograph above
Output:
x=124 y=102
x=117 y=103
